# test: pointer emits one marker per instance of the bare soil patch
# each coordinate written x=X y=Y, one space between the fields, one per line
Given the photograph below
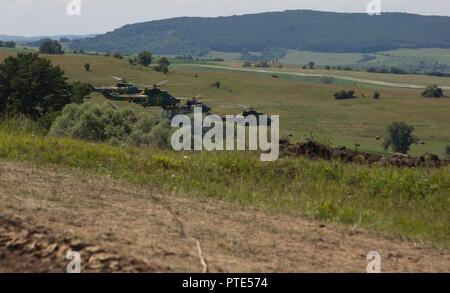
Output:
x=122 y=227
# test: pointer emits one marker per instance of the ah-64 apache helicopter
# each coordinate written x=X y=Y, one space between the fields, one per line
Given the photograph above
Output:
x=150 y=96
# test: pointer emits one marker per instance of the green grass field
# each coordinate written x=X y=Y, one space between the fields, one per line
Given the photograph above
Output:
x=398 y=57
x=409 y=203
x=305 y=106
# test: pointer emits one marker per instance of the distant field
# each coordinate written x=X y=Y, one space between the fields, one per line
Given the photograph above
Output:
x=407 y=59
x=306 y=107
x=320 y=59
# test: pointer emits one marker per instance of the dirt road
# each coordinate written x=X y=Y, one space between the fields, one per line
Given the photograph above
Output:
x=122 y=227
x=291 y=73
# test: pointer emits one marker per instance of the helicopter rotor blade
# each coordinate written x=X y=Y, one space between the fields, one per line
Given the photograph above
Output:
x=177 y=84
x=162 y=83
x=145 y=85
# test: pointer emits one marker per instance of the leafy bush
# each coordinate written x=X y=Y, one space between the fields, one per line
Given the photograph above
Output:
x=344 y=95
x=400 y=137
x=51 y=47
x=92 y=121
x=433 y=91
x=326 y=79
x=80 y=91
x=376 y=95
x=160 y=135
x=145 y=58
x=104 y=122
x=141 y=133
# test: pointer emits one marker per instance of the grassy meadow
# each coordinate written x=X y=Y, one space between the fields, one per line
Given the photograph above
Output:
x=409 y=203
x=412 y=204
x=306 y=106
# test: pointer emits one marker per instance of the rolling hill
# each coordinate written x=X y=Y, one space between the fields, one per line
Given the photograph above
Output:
x=276 y=32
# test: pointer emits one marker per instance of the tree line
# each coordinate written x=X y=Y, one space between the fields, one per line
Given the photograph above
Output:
x=7 y=44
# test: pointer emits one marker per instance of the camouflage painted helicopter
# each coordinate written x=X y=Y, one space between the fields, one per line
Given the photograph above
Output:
x=121 y=87
x=151 y=96
x=249 y=111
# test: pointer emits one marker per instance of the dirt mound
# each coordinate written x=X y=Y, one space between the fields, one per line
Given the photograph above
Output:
x=315 y=150
x=24 y=248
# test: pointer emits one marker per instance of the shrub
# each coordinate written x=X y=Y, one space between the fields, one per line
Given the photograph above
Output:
x=433 y=91
x=141 y=133
x=145 y=58
x=217 y=85
x=247 y=64
x=132 y=60
x=80 y=91
x=46 y=121
x=326 y=79
x=164 y=68
x=51 y=47
x=344 y=95
x=376 y=95
x=95 y=122
x=400 y=137
x=104 y=122
x=160 y=135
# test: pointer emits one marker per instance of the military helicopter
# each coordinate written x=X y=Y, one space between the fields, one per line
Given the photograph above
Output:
x=121 y=87
x=190 y=103
x=151 y=96
x=249 y=111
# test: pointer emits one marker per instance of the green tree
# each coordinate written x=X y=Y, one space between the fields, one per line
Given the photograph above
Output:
x=164 y=60
x=132 y=60
x=30 y=85
x=87 y=66
x=51 y=47
x=118 y=56
x=433 y=91
x=311 y=65
x=145 y=58
x=399 y=137
x=376 y=95
x=79 y=91
x=163 y=65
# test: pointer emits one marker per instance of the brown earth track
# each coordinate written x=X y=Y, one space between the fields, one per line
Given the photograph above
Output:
x=124 y=227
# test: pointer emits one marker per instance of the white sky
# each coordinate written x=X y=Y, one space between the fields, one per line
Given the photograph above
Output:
x=49 y=17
